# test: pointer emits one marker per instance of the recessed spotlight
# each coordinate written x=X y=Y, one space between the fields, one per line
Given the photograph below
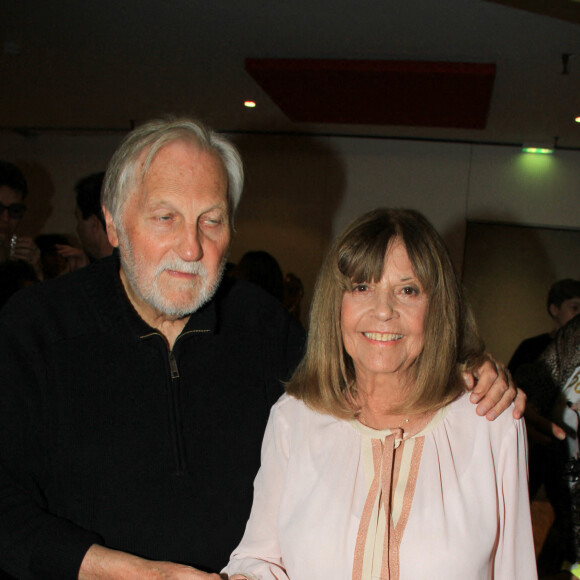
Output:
x=250 y=104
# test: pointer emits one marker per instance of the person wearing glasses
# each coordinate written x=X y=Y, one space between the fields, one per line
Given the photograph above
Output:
x=13 y=190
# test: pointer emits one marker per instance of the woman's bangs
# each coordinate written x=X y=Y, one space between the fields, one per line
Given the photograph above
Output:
x=363 y=262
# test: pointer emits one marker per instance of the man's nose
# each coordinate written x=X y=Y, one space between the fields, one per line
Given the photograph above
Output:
x=190 y=247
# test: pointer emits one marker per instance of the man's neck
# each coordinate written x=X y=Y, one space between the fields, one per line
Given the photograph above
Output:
x=171 y=329
x=168 y=326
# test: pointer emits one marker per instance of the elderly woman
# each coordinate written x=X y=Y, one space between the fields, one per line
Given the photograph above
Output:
x=374 y=465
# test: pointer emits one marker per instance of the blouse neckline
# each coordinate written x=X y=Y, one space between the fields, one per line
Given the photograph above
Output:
x=371 y=433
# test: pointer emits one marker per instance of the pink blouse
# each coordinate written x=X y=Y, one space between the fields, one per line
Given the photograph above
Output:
x=336 y=500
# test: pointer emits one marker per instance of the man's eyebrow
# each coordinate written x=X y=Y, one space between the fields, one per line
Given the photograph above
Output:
x=217 y=207
x=159 y=204
x=220 y=206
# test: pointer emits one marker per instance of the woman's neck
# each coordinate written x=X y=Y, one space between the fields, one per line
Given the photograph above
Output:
x=380 y=406
x=411 y=423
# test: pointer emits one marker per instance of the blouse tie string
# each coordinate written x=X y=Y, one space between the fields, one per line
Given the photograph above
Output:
x=372 y=549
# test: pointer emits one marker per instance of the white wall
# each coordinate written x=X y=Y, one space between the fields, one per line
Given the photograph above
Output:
x=513 y=187
x=301 y=191
x=508 y=271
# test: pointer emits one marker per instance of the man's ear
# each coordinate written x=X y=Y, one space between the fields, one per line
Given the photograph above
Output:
x=111 y=228
x=553 y=310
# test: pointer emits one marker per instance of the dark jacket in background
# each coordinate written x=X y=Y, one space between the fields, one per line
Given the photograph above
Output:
x=529 y=351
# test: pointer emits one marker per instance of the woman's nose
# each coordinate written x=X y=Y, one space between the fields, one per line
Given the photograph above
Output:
x=384 y=305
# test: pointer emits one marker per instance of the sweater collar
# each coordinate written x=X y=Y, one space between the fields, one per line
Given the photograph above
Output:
x=104 y=286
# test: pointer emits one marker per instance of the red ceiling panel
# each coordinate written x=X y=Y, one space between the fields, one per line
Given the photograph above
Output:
x=421 y=94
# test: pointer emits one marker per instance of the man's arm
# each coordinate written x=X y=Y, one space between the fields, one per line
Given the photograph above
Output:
x=102 y=563
x=75 y=257
x=493 y=390
x=34 y=543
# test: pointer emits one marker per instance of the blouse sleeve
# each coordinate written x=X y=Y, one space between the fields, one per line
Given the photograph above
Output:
x=258 y=556
x=515 y=559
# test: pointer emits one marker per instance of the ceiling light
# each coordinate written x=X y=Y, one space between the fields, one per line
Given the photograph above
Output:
x=250 y=104
x=538 y=148
x=577 y=119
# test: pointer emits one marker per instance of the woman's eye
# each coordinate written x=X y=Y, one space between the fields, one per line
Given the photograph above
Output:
x=410 y=291
x=360 y=288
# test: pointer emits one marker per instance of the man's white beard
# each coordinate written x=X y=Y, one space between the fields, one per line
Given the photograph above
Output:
x=149 y=290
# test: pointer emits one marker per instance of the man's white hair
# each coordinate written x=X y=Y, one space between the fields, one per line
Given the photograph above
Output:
x=121 y=176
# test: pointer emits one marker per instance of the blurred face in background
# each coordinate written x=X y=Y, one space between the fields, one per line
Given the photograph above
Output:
x=88 y=231
x=12 y=211
x=566 y=311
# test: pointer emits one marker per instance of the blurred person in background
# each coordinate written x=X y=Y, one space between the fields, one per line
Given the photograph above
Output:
x=547 y=446
x=261 y=268
x=53 y=263
x=15 y=275
x=293 y=295
x=13 y=191
x=554 y=380
x=563 y=303
x=91 y=228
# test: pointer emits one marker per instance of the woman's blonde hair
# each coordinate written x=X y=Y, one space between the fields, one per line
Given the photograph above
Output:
x=325 y=379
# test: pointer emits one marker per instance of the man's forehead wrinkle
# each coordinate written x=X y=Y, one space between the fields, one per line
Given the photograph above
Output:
x=144 y=162
x=160 y=179
x=150 y=157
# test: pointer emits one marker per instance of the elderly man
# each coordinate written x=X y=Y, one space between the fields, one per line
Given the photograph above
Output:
x=135 y=393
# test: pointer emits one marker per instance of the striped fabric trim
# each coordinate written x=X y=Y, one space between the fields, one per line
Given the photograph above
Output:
x=391 y=465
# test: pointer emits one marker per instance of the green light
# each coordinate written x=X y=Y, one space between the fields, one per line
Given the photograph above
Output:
x=535 y=168
x=538 y=150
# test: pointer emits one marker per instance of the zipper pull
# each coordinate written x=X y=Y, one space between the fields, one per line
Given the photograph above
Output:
x=173 y=366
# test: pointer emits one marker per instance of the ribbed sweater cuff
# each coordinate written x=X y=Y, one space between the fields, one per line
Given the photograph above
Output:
x=60 y=551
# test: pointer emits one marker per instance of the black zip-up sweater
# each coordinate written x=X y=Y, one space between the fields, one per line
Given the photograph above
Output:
x=108 y=437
